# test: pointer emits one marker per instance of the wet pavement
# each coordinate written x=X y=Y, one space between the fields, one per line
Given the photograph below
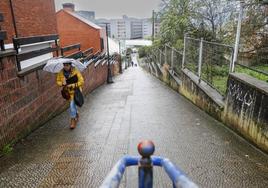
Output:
x=113 y=120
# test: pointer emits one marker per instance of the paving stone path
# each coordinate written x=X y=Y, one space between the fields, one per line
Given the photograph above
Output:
x=113 y=120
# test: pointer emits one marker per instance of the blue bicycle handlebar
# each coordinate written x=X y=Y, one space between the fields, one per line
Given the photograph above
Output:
x=179 y=179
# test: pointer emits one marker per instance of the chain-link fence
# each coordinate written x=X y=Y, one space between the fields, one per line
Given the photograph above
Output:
x=177 y=61
x=153 y=57
x=209 y=61
x=216 y=61
x=168 y=55
x=192 y=51
x=148 y=59
x=162 y=56
x=173 y=58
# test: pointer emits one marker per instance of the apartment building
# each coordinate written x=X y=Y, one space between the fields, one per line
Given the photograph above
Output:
x=136 y=29
x=147 y=28
x=122 y=29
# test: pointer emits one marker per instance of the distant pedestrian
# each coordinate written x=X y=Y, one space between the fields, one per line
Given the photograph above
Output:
x=132 y=63
x=70 y=78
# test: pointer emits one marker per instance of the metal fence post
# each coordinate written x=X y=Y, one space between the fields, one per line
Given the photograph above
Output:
x=16 y=47
x=160 y=59
x=231 y=61
x=172 y=58
x=200 y=59
x=165 y=54
x=184 y=51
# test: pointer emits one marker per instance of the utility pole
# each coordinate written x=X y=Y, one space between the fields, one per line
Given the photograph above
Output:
x=109 y=76
x=153 y=26
x=237 y=40
x=238 y=32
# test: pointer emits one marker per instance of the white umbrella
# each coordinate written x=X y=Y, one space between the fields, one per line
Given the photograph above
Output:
x=55 y=65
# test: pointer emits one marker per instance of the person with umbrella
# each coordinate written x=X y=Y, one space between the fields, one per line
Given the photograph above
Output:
x=69 y=78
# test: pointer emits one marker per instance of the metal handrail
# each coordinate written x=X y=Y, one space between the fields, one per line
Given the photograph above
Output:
x=146 y=163
x=179 y=179
x=218 y=44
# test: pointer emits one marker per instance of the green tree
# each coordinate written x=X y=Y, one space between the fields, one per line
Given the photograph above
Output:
x=175 y=22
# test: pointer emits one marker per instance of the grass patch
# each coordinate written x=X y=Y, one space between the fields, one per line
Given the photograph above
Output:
x=252 y=73
x=263 y=67
x=216 y=76
x=192 y=67
x=220 y=83
x=7 y=149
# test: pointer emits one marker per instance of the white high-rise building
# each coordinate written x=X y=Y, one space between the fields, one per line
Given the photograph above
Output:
x=126 y=28
x=136 y=29
x=129 y=28
x=147 y=28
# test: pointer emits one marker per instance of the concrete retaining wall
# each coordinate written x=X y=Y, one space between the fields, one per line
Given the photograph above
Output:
x=245 y=108
x=201 y=94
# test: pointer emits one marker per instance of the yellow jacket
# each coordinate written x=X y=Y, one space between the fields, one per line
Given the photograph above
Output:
x=71 y=87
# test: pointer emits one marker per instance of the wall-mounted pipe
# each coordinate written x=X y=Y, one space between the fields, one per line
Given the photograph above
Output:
x=13 y=18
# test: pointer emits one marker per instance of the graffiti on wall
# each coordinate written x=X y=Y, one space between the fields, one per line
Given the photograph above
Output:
x=243 y=95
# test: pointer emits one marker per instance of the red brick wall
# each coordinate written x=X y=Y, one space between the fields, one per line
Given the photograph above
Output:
x=36 y=17
x=28 y=102
x=33 y=17
x=72 y=31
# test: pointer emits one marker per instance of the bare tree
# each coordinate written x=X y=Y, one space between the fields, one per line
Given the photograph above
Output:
x=214 y=14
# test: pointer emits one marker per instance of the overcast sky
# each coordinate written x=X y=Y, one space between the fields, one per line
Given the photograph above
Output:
x=114 y=8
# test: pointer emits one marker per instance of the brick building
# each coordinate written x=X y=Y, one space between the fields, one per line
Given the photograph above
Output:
x=73 y=28
x=31 y=17
x=24 y=18
x=28 y=100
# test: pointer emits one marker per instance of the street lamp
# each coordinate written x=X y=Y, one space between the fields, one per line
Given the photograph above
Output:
x=120 y=59
x=238 y=32
x=109 y=76
x=153 y=26
x=126 y=59
x=154 y=22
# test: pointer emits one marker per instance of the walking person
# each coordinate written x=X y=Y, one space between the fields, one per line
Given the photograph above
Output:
x=70 y=78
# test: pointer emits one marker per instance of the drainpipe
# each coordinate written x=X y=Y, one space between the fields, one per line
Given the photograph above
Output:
x=13 y=18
